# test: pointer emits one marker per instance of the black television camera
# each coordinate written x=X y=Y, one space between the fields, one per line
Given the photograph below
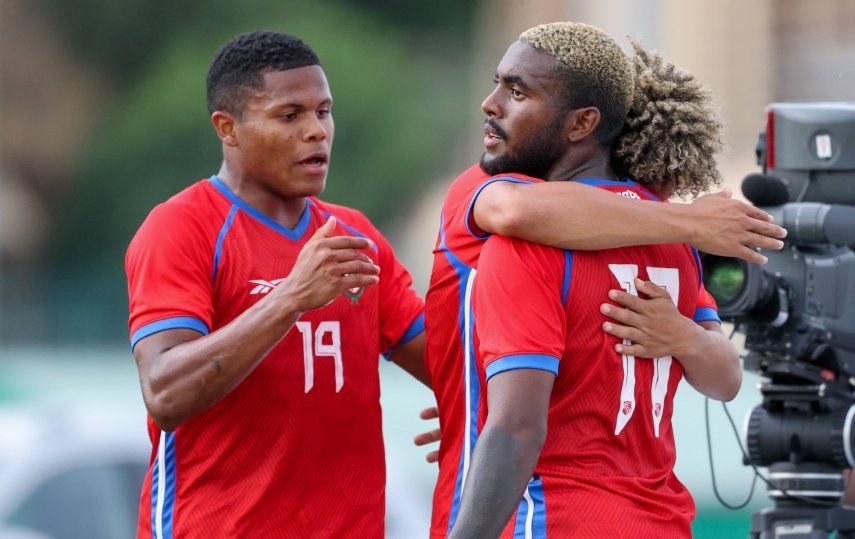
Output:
x=798 y=317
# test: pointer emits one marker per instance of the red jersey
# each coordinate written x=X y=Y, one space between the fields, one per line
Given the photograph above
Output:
x=450 y=355
x=606 y=468
x=296 y=449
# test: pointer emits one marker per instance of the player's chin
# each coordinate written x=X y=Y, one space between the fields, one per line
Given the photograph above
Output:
x=312 y=186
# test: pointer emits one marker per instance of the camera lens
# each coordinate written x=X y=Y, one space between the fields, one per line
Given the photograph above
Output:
x=724 y=279
x=740 y=289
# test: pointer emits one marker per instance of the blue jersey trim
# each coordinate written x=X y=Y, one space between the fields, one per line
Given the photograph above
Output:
x=538 y=508
x=469 y=215
x=349 y=228
x=168 y=440
x=292 y=233
x=416 y=328
x=218 y=250
x=568 y=272
x=698 y=266
x=155 y=481
x=543 y=362
x=177 y=322
x=706 y=314
x=169 y=493
x=464 y=273
x=619 y=183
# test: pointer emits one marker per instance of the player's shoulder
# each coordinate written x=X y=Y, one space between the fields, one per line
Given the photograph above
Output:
x=194 y=213
x=469 y=182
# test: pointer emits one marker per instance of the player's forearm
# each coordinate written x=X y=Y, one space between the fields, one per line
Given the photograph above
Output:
x=502 y=465
x=711 y=365
x=575 y=216
x=410 y=356
x=190 y=377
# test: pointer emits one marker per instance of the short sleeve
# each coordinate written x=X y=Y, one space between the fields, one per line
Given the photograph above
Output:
x=169 y=270
x=706 y=309
x=520 y=319
x=401 y=309
x=470 y=208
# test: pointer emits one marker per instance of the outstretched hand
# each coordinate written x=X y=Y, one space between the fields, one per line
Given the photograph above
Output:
x=728 y=227
x=429 y=437
x=654 y=326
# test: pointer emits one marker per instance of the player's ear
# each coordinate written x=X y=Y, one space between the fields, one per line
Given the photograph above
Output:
x=582 y=123
x=224 y=124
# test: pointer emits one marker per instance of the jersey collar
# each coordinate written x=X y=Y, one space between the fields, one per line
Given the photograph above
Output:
x=292 y=233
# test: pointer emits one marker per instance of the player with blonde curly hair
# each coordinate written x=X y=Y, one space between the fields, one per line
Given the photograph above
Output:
x=573 y=433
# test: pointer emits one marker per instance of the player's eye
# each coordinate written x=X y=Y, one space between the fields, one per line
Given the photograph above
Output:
x=516 y=94
x=289 y=116
x=323 y=113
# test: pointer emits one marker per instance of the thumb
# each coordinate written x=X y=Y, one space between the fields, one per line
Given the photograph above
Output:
x=325 y=230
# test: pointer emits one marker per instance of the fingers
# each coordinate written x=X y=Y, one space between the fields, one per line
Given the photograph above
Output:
x=429 y=413
x=325 y=230
x=348 y=242
x=757 y=240
x=627 y=300
x=359 y=280
x=636 y=350
x=768 y=229
x=650 y=290
x=624 y=316
x=750 y=255
x=427 y=437
x=756 y=213
x=346 y=255
x=356 y=266
x=432 y=457
x=622 y=332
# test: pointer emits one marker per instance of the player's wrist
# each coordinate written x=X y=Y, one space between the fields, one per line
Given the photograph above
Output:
x=684 y=221
x=694 y=344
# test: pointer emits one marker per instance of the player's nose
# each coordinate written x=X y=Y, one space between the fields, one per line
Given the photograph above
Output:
x=490 y=106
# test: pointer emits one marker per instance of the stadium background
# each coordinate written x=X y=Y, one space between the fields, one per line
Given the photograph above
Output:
x=103 y=115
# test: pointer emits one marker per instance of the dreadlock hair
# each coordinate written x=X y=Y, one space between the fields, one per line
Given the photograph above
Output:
x=656 y=119
x=240 y=65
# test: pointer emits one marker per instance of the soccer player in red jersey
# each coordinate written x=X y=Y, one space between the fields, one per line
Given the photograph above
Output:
x=257 y=316
x=527 y=131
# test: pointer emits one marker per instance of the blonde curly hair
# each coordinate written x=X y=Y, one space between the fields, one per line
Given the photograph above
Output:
x=657 y=119
x=672 y=132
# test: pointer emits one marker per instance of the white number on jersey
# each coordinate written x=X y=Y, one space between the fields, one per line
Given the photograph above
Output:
x=669 y=279
x=333 y=350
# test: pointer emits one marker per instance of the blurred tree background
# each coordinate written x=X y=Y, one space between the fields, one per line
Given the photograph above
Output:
x=397 y=71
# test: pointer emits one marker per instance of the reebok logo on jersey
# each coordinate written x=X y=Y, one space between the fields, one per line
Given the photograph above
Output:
x=630 y=194
x=657 y=410
x=263 y=287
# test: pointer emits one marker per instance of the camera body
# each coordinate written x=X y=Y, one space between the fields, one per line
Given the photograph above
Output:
x=798 y=316
x=800 y=307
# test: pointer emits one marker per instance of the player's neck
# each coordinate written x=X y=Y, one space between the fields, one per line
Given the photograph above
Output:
x=574 y=166
x=285 y=211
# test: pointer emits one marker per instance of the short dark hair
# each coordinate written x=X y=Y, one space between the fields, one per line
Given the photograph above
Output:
x=241 y=64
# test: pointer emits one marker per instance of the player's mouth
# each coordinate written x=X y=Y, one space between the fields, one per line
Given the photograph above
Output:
x=493 y=135
x=315 y=163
